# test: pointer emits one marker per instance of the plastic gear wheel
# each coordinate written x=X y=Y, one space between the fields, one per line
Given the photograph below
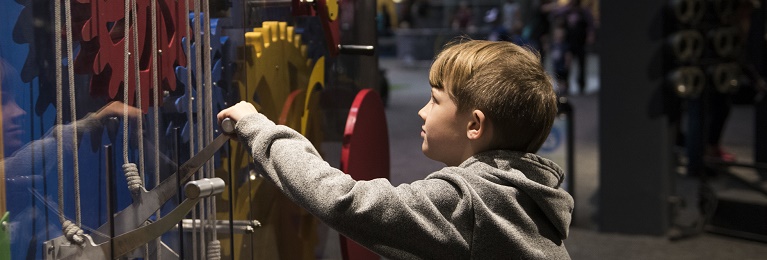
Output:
x=274 y=64
x=221 y=75
x=102 y=47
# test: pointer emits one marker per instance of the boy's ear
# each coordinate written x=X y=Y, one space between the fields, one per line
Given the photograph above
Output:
x=478 y=125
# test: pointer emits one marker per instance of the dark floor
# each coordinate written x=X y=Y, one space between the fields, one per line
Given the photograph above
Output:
x=410 y=91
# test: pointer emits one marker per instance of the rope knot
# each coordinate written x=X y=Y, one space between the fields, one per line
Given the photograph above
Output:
x=72 y=232
x=214 y=250
x=132 y=175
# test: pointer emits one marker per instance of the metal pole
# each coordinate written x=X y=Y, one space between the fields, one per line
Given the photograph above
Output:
x=111 y=195
x=176 y=159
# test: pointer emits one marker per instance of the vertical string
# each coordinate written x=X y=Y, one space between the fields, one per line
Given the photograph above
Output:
x=156 y=94
x=198 y=85
x=155 y=109
x=188 y=51
x=209 y=115
x=126 y=77
x=189 y=113
x=135 y=181
x=73 y=110
x=70 y=230
x=140 y=127
x=249 y=168
x=214 y=247
x=59 y=107
x=137 y=77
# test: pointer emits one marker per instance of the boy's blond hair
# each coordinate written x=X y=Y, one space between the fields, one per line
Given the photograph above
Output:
x=504 y=81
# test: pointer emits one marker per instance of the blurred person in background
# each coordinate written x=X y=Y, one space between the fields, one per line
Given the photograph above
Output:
x=537 y=29
x=462 y=18
x=579 y=26
x=751 y=83
x=561 y=58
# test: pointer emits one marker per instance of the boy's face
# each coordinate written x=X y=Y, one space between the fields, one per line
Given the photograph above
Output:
x=12 y=129
x=444 y=130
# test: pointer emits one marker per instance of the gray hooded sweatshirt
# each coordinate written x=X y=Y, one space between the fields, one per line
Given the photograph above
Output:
x=495 y=205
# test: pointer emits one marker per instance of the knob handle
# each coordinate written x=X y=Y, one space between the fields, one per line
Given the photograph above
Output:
x=368 y=50
x=227 y=125
x=204 y=188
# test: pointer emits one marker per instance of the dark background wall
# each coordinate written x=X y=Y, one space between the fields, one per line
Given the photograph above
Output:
x=635 y=168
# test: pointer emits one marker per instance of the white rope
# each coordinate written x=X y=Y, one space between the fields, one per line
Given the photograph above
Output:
x=156 y=111
x=214 y=250
x=126 y=78
x=133 y=178
x=140 y=127
x=59 y=105
x=188 y=51
x=72 y=232
x=132 y=175
x=73 y=110
x=198 y=85
x=190 y=96
x=209 y=118
x=156 y=94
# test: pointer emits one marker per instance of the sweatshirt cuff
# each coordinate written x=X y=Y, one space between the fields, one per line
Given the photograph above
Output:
x=88 y=123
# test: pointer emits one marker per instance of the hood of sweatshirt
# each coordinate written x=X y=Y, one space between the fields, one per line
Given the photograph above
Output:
x=520 y=183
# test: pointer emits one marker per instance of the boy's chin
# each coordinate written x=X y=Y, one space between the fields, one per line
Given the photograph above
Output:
x=431 y=156
x=10 y=148
x=425 y=151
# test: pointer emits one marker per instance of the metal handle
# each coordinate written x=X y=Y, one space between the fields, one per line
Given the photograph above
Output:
x=357 y=49
x=204 y=187
x=227 y=125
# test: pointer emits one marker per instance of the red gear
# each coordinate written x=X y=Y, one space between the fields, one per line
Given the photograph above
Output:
x=102 y=47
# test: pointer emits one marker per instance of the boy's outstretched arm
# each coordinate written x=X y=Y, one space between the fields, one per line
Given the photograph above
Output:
x=407 y=221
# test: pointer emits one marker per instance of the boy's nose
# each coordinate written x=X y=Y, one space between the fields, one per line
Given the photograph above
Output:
x=422 y=112
x=14 y=110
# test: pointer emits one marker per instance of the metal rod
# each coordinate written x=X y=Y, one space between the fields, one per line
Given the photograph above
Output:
x=176 y=159
x=111 y=196
x=231 y=199
x=224 y=226
x=568 y=109
x=367 y=50
x=272 y=2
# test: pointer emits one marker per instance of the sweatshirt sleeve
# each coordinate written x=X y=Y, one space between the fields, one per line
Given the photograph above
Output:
x=407 y=221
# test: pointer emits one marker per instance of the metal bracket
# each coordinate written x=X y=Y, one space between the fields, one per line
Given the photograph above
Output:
x=62 y=248
x=145 y=203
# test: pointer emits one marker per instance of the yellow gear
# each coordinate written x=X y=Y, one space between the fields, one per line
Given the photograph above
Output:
x=273 y=66
x=311 y=119
x=332 y=9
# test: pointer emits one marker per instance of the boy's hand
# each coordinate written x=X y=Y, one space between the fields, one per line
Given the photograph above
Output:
x=117 y=109
x=237 y=112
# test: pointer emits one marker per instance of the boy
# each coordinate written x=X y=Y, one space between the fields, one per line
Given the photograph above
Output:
x=492 y=107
